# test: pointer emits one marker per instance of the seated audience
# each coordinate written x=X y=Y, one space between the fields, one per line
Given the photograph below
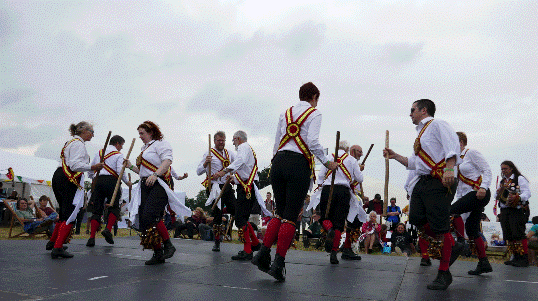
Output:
x=401 y=241
x=31 y=223
x=370 y=232
x=313 y=231
x=192 y=223
x=532 y=238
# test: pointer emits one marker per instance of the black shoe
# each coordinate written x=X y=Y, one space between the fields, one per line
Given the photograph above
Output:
x=457 y=249
x=49 y=246
x=425 y=262
x=522 y=261
x=482 y=267
x=306 y=242
x=157 y=258
x=91 y=242
x=242 y=256
x=443 y=280
x=334 y=258
x=263 y=259
x=108 y=236
x=278 y=269
x=256 y=247
x=168 y=249
x=329 y=241
x=60 y=252
x=348 y=254
x=216 y=247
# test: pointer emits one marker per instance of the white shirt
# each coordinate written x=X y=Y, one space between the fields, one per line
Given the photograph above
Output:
x=115 y=162
x=244 y=162
x=410 y=175
x=472 y=167
x=76 y=156
x=309 y=132
x=216 y=165
x=524 y=190
x=351 y=164
x=439 y=141
x=155 y=152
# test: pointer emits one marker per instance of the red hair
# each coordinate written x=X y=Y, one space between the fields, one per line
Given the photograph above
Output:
x=152 y=129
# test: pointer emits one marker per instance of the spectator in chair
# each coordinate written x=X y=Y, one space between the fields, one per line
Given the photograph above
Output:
x=370 y=232
x=532 y=237
x=192 y=223
x=313 y=231
x=401 y=240
x=393 y=214
x=31 y=223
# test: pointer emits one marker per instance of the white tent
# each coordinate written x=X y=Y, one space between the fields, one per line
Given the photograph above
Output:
x=32 y=175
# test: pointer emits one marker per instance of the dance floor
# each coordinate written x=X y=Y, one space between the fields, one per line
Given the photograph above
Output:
x=117 y=272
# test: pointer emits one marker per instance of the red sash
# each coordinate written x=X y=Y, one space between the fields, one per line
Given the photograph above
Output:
x=293 y=131
x=247 y=186
x=225 y=160
x=340 y=162
x=475 y=184
x=436 y=168
x=107 y=167
x=74 y=177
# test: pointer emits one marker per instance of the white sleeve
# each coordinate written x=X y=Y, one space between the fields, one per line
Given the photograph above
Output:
x=312 y=139
x=164 y=150
x=412 y=162
x=77 y=153
x=240 y=159
x=449 y=140
x=481 y=164
x=119 y=167
x=96 y=159
x=321 y=175
x=357 y=174
x=278 y=134
x=525 y=191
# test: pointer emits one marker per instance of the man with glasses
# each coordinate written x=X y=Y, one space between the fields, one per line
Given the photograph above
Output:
x=436 y=153
x=220 y=158
x=245 y=173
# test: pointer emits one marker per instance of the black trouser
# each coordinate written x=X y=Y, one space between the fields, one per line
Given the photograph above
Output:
x=153 y=200
x=244 y=206
x=80 y=217
x=64 y=191
x=356 y=224
x=513 y=223
x=290 y=178
x=104 y=189
x=339 y=205
x=469 y=203
x=228 y=201
x=189 y=226
x=311 y=235
x=430 y=203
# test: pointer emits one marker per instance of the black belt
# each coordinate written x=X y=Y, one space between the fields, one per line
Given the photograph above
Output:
x=289 y=153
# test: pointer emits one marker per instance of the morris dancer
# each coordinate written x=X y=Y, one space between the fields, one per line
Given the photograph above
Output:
x=245 y=170
x=353 y=229
x=220 y=158
x=104 y=189
x=344 y=204
x=296 y=143
x=67 y=184
x=473 y=195
x=513 y=195
x=153 y=193
x=436 y=152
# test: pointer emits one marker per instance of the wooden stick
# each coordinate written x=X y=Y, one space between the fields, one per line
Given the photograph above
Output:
x=386 y=192
x=94 y=181
x=209 y=172
x=221 y=193
x=130 y=188
x=118 y=182
x=367 y=154
x=333 y=175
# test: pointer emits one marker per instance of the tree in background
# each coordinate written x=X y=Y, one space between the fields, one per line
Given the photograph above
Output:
x=198 y=201
x=265 y=180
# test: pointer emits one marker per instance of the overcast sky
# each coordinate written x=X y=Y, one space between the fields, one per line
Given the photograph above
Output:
x=195 y=67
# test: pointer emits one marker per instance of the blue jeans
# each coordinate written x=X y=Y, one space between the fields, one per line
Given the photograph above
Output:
x=29 y=227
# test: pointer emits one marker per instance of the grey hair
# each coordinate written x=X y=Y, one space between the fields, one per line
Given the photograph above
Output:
x=219 y=134
x=241 y=135
x=79 y=128
x=344 y=145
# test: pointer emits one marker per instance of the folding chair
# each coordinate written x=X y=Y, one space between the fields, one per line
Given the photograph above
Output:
x=16 y=219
